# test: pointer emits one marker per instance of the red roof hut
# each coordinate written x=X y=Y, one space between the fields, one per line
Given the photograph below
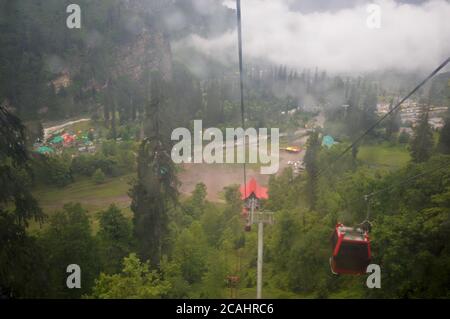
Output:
x=253 y=189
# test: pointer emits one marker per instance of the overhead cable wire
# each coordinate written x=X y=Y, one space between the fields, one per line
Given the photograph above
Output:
x=241 y=83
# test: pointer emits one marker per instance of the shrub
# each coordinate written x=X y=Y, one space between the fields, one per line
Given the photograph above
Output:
x=99 y=176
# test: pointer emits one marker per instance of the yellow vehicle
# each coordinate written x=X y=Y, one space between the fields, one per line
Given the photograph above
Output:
x=292 y=149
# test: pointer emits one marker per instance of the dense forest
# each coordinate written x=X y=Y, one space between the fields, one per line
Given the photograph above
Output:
x=119 y=71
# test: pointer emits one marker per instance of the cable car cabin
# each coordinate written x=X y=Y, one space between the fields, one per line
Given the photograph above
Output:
x=351 y=250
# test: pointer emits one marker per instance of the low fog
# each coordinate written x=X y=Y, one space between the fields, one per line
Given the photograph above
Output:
x=411 y=37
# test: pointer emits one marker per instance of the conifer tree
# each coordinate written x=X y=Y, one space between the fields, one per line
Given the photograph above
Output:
x=422 y=142
x=311 y=166
x=444 y=137
x=156 y=185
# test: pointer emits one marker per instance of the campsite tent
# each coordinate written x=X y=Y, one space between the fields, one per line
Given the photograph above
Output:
x=45 y=150
x=57 y=140
x=68 y=138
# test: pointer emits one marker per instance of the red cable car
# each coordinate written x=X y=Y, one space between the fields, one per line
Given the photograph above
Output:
x=351 y=250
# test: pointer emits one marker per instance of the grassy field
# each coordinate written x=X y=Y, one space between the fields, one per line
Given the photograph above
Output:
x=384 y=156
x=81 y=126
x=93 y=197
x=86 y=126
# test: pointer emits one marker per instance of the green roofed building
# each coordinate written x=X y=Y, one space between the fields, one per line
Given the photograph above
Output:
x=328 y=141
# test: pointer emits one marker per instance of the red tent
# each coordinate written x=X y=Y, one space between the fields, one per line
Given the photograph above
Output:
x=68 y=138
x=252 y=187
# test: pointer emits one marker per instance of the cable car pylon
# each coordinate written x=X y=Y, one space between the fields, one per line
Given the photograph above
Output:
x=245 y=194
x=252 y=194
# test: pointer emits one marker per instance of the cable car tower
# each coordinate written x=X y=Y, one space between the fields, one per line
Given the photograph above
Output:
x=252 y=194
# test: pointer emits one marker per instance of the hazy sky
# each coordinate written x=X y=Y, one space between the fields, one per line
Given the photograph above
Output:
x=308 y=6
x=413 y=35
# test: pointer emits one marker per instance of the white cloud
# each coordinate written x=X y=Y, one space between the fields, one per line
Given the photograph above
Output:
x=411 y=37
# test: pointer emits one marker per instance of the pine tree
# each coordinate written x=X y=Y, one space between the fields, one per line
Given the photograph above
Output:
x=393 y=123
x=114 y=237
x=311 y=167
x=156 y=185
x=152 y=193
x=369 y=107
x=444 y=137
x=20 y=256
x=422 y=142
x=98 y=176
